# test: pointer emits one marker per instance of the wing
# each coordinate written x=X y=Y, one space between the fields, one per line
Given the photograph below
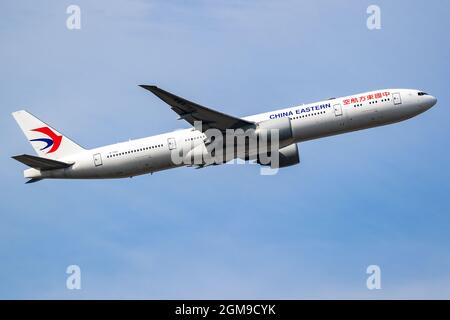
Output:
x=192 y=112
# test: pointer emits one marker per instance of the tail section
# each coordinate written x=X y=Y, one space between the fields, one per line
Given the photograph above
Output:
x=46 y=141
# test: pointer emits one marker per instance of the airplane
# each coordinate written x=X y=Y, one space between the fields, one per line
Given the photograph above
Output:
x=59 y=157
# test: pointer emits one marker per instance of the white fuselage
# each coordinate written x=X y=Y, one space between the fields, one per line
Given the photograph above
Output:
x=309 y=121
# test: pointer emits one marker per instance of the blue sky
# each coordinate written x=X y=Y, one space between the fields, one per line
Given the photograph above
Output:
x=379 y=196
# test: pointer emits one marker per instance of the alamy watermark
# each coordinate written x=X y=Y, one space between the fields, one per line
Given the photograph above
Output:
x=261 y=145
x=374 y=280
x=374 y=20
x=73 y=281
x=73 y=21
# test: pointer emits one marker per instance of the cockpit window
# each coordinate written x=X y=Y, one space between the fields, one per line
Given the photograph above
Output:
x=422 y=93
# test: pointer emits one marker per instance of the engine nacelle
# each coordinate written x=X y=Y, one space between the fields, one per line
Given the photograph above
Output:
x=287 y=156
x=282 y=125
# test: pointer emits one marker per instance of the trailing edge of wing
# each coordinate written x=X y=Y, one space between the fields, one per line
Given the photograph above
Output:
x=192 y=112
x=41 y=163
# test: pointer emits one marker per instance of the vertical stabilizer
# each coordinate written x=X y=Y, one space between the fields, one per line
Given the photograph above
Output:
x=46 y=141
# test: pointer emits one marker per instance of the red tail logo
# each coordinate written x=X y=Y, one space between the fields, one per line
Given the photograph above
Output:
x=53 y=140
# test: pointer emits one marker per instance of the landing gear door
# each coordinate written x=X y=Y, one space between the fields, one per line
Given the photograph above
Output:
x=397 y=98
x=97 y=159
x=337 y=109
x=171 y=142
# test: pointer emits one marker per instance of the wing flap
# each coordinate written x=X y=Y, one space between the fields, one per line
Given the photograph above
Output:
x=41 y=163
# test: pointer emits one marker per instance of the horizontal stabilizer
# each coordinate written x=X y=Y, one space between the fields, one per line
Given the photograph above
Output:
x=41 y=163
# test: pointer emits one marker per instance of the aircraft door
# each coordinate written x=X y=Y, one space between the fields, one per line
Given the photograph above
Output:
x=339 y=116
x=97 y=159
x=337 y=110
x=397 y=98
x=171 y=142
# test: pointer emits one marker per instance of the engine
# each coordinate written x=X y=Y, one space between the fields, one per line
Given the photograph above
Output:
x=287 y=156
x=265 y=130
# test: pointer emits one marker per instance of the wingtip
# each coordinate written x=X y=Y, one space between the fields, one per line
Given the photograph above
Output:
x=148 y=87
x=17 y=156
x=33 y=180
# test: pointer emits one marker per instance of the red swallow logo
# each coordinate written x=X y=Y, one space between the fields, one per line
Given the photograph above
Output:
x=53 y=140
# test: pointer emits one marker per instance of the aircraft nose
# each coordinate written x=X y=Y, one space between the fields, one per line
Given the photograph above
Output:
x=427 y=101
x=433 y=100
